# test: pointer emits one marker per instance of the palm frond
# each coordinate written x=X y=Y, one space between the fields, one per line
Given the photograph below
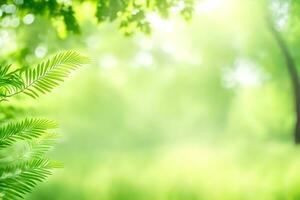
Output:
x=48 y=74
x=17 y=180
x=25 y=150
x=38 y=147
x=24 y=130
x=9 y=80
x=23 y=144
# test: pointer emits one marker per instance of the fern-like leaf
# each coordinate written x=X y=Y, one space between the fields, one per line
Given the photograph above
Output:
x=17 y=180
x=24 y=130
x=38 y=147
x=19 y=174
x=9 y=80
x=48 y=74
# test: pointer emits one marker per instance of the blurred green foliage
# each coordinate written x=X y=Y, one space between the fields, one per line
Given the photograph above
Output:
x=131 y=14
x=198 y=110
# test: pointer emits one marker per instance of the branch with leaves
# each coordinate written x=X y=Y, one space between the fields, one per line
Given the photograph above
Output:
x=21 y=171
x=41 y=79
x=131 y=15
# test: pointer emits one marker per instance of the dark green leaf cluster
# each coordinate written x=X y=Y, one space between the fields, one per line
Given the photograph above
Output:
x=23 y=143
x=48 y=9
x=130 y=14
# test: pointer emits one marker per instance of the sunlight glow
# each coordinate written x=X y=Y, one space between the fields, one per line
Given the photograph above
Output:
x=281 y=12
x=179 y=7
x=108 y=61
x=41 y=51
x=28 y=19
x=244 y=74
x=143 y=59
x=207 y=6
x=19 y=2
x=7 y=40
x=4 y=38
x=10 y=21
x=159 y=24
x=145 y=43
x=8 y=8
x=66 y=2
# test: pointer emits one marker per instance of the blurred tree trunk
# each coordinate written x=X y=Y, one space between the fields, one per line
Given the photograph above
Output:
x=290 y=63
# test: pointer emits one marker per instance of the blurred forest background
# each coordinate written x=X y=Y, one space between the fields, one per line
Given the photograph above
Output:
x=198 y=109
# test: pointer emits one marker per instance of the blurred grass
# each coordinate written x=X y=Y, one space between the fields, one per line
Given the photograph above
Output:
x=133 y=141
x=181 y=172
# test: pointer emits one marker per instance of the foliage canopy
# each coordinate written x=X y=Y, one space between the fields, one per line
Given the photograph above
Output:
x=130 y=14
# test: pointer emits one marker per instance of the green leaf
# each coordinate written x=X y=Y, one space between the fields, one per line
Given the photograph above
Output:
x=17 y=180
x=24 y=130
x=48 y=74
x=9 y=80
